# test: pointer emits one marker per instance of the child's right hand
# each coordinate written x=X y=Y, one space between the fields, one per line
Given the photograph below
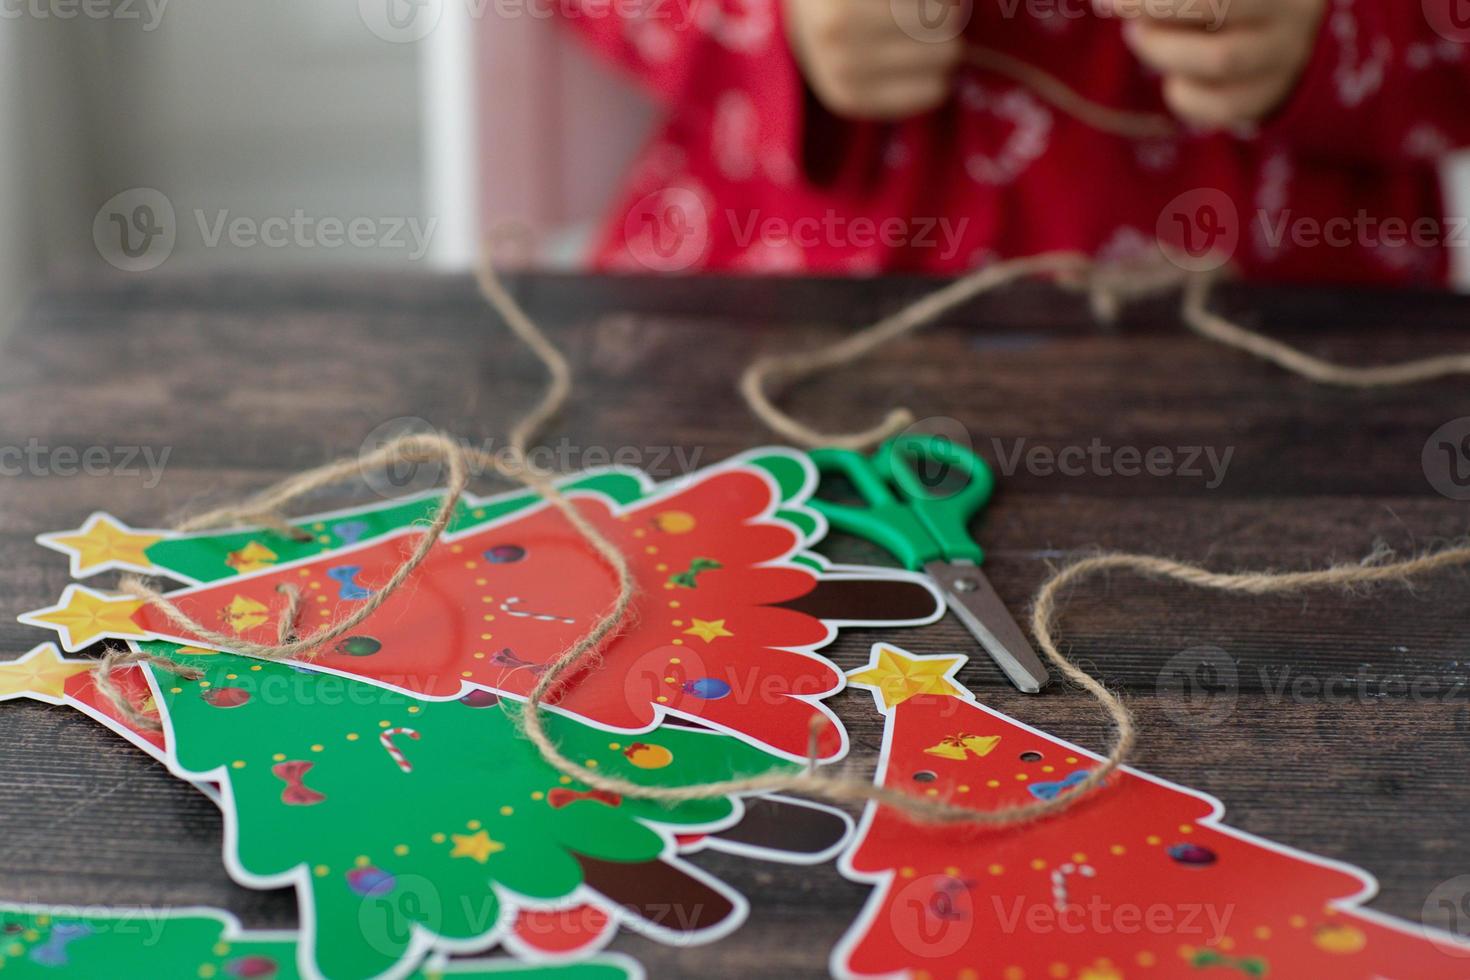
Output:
x=862 y=63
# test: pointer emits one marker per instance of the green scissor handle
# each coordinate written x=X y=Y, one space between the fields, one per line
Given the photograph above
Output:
x=928 y=524
x=885 y=521
x=946 y=514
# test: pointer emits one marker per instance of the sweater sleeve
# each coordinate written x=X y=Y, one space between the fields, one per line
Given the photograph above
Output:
x=1386 y=84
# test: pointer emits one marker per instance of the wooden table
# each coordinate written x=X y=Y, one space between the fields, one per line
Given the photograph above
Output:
x=244 y=380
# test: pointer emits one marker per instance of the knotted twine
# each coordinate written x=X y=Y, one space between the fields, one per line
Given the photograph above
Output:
x=1107 y=286
x=584 y=654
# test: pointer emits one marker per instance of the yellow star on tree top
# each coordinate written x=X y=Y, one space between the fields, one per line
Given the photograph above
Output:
x=41 y=674
x=479 y=845
x=102 y=543
x=896 y=675
x=83 y=616
x=708 y=630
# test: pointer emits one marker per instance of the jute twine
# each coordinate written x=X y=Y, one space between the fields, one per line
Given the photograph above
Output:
x=1107 y=286
x=1118 y=122
x=583 y=655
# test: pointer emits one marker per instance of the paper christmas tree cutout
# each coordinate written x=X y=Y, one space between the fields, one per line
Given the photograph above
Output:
x=726 y=620
x=1138 y=880
x=44 y=674
x=771 y=828
x=407 y=825
x=146 y=944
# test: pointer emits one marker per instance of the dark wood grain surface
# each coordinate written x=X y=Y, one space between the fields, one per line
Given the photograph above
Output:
x=245 y=380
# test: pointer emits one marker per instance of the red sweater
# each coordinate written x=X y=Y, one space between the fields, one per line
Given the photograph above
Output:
x=749 y=173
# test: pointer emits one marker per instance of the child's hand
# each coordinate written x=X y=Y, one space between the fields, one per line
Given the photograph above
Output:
x=862 y=63
x=1225 y=63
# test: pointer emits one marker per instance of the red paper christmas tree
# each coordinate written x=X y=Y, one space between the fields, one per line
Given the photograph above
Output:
x=724 y=627
x=44 y=674
x=1137 y=880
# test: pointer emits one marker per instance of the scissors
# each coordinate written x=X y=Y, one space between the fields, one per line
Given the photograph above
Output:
x=928 y=530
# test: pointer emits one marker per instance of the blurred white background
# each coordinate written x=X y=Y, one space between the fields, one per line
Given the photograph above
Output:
x=272 y=126
x=286 y=134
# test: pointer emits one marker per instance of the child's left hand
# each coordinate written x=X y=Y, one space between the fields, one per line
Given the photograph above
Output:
x=1224 y=62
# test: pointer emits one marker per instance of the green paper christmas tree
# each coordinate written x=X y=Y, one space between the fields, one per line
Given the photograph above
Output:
x=146 y=944
x=401 y=822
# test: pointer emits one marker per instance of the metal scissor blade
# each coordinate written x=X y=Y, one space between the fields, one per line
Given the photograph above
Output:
x=972 y=598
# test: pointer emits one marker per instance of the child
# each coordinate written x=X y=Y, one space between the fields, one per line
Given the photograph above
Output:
x=852 y=136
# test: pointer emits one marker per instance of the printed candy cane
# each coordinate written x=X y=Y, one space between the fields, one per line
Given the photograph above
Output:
x=505 y=607
x=387 y=739
x=1059 y=881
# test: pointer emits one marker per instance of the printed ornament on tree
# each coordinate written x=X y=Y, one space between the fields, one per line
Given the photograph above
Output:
x=1140 y=879
x=729 y=607
x=408 y=825
x=144 y=944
